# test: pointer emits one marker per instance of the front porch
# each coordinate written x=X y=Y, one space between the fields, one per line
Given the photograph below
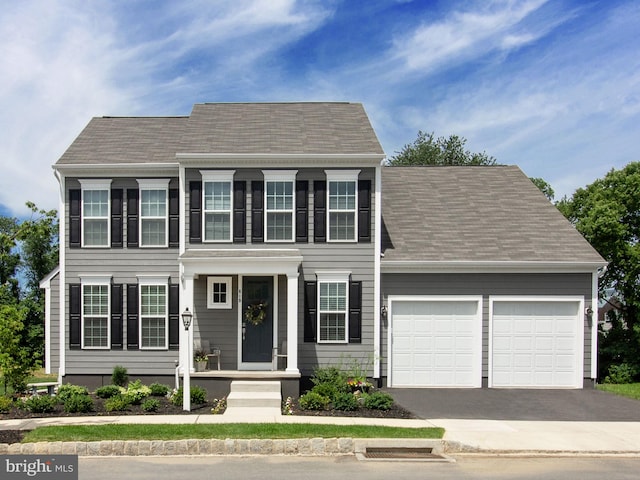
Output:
x=218 y=382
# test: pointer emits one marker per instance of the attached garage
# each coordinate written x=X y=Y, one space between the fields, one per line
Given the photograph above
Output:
x=536 y=342
x=435 y=341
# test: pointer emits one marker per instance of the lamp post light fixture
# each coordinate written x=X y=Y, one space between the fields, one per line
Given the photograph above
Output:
x=187 y=317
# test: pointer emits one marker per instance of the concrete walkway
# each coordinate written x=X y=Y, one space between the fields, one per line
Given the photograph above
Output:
x=462 y=435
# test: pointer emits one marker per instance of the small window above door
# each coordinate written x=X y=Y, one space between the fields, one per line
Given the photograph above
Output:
x=219 y=292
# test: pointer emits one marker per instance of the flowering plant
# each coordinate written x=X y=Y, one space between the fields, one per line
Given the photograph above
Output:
x=359 y=384
x=256 y=313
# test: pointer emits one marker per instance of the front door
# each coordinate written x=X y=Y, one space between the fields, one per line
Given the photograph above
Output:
x=257 y=319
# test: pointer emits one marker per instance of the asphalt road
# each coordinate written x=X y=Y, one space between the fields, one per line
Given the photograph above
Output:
x=329 y=468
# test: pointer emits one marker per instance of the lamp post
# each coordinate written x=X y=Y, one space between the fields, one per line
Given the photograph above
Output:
x=187 y=316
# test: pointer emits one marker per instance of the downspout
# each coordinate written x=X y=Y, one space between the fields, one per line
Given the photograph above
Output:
x=377 y=328
x=62 y=242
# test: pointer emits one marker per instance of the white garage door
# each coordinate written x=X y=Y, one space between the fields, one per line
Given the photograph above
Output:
x=536 y=344
x=436 y=343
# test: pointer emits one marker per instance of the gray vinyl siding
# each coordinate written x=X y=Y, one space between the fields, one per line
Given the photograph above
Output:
x=54 y=339
x=123 y=265
x=543 y=284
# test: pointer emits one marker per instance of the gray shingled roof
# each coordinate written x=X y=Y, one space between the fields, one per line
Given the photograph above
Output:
x=234 y=128
x=474 y=214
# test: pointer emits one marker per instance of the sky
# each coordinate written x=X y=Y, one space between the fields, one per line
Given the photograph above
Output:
x=551 y=86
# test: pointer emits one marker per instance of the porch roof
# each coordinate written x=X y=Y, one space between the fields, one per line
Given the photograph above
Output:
x=241 y=261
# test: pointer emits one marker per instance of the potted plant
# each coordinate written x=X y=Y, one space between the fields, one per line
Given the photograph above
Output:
x=200 y=358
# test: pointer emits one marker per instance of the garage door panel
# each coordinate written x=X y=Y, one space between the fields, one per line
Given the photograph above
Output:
x=442 y=339
x=535 y=343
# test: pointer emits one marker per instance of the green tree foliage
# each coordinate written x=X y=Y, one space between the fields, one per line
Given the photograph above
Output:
x=607 y=213
x=544 y=187
x=428 y=150
x=28 y=251
x=16 y=360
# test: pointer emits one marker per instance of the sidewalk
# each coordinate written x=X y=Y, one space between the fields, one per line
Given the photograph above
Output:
x=462 y=436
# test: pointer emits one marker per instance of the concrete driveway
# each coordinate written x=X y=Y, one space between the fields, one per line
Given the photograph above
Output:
x=586 y=405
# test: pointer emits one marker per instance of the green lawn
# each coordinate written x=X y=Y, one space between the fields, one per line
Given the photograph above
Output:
x=92 y=433
x=630 y=390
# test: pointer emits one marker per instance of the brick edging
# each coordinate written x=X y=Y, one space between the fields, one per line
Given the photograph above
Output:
x=295 y=446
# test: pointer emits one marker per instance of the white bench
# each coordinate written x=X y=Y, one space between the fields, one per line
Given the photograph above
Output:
x=50 y=386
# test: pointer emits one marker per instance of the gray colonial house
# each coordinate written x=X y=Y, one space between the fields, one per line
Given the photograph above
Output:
x=278 y=229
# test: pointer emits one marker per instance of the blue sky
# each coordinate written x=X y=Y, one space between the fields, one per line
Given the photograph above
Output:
x=552 y=86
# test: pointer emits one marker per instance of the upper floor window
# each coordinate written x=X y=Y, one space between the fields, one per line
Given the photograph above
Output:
x=154 y=323
x=95 y=212
x=153 y=212
x=218 y=205
x=342 y=194
x=280 y=205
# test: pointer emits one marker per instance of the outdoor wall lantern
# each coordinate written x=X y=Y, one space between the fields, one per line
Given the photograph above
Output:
x=187 y=316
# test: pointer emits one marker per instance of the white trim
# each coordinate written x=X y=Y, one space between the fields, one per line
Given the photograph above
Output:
x=62 y=294
x=217 y=176
x=91 y=185
x=119 y=170
x=182 y=218
x=346 y=176
x=594 y=325
x=280 y=176
x=94 y=279
x=237 y=265
x=211 y=280
x=579 y=341
x=152 y=282
x=377 y=289
x=153 y=183
x=94 y=283
x=45 y=284
x=391 y=299
x=418 y=266
x=333 y=277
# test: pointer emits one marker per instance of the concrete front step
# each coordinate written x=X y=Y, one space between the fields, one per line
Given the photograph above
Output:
x=254 y=394
x=255 y=386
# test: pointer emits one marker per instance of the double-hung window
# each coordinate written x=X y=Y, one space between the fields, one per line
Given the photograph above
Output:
x=154 y=324
x=333 y=303
x=342 y=195
x=154 y=213
x=218 y=205
x=280 y=205
x=95 y=212
x=95 y=312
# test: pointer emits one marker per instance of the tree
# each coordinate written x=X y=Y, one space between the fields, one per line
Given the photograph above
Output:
x=428 y=150
x=544 y=187
x=16 y=361
x=607 y=213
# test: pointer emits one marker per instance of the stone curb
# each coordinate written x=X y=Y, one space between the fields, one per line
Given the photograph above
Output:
x=297 y=446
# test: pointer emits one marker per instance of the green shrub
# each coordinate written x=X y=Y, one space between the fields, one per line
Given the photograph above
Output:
x=198 y=396
x=5 y=404
x=40 y=404
x=78 y=404
x=378 y=401
x=119 y=403
x=623 y=373
x=346 y=402
x=313 y=401
x=159 y=389
x=67 y=391
x=135 y=392
x=119 y=376
x=331 y=375
x=150 y=405
x=326 y=390
x=108 y=391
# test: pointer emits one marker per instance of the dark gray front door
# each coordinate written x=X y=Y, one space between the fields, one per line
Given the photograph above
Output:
x=257 y=295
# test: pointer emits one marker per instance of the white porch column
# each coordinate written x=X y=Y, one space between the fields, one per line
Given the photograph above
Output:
x=292 y=322
x=186 y=340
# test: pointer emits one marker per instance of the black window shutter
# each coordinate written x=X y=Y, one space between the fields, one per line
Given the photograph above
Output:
x=364 y=211
x=310 y=311
x=355 y=312
x=75 y=208
x=174 y=218
x=195 y=212
x=320 y=211
x=133 y=342
x=302 y=211
x=75 y=308
x=116 y=316
x=257 y=211
x=133 y=195
x=239 y=211
x=174 y=317
x=116 y=218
